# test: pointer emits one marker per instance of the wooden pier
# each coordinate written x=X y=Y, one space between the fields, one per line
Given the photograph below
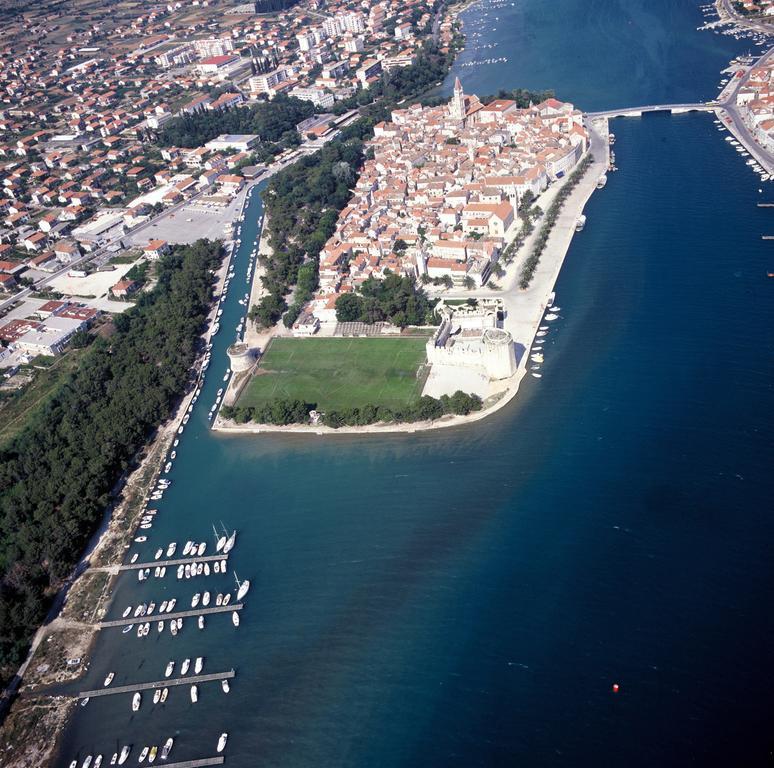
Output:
x=174 y=563
x=168 y=682
x=198 y=763
x=154 y=617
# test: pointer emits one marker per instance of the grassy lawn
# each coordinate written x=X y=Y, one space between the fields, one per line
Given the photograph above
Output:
x=339 y=373
x=17 y=407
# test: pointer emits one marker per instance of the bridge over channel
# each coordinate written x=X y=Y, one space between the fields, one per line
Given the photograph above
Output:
x=639 y=111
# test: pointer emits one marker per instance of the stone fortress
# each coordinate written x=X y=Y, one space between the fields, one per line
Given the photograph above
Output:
x=469 y=337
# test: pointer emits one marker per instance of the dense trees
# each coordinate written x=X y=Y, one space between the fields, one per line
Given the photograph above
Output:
x=56 y=476
x=426 y=408
x=270 y=120
x=521 y=96
x=396 y=298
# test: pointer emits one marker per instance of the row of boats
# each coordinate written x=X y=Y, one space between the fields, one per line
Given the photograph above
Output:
x=536 y=352
x=739 y=147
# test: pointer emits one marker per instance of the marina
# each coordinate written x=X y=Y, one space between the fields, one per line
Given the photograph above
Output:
x=165 y=683
x=173 y=563
x=126 y=621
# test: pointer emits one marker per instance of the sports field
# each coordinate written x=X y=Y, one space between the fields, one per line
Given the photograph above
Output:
x=339 y=373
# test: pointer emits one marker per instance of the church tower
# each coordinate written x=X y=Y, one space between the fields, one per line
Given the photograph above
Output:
x=457 y=105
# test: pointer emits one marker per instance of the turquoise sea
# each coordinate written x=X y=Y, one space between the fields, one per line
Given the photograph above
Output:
x=469 y=597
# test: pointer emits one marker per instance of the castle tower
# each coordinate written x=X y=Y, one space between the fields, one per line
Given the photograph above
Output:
x=457 y=105
x=499 y=354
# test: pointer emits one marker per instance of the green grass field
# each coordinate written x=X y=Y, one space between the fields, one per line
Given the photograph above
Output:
x=339 y=373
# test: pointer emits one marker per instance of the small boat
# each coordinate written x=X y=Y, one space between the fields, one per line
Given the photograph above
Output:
x=222 y=566
x=537 y=375
x=136 y=701
x=551 y=316
x=97 y=761
x=86 y=762
x=161 y=626
x=179 y=623
x=156 y=572
x=109 y=679
x=227 y=598
x=171 y=549
x=145 y=526
x=173 y=455
x=219 y=599
x=127 y=628
x=168 y=670
x=225 y=686
x=163 y=571
x=141 y=539
x=201 y=622
x=152 y=754
x=206 y=569
x=242 y=587
x=167 y=748
x=229 y=545
x=198 y=664
x=125 y=750
x=85 y=702
x=580 y=223
x=216 y=567
x=173 y=628
x=194 y=694
x=179 y=571
x=156 y=695
x=134 y=558
x=171 y=604
x=235 y=618
x=206 y=599
x=164 y=695
x=195 y=600
x=151 y=608
x=127 y=611
x=202 y=548
x=163 y=607
x=143 y=754
x=221 y=540
x=159 y=553
x=187 y=571
x=74 y=764
x=114 y=758
x=185 y=666
x=222 y=741
x=199 y=569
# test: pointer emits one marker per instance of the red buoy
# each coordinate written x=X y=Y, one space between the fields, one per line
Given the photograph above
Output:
x=615 y=687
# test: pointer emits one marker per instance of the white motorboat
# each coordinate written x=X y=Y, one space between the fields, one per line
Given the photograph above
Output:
x=206 y=599
x=171 y=549
x=167 y=748
x=159 y=553
x=86 y=762
x=114 y=758
x=85 y=701
x=136 y=701
x=201 y=622
x=235 y=618
x=134 y=558
x=225 y=686
x=551 y=316
x=227 y=598
x=97 y=761
x=171 y=604
x=163 y=571
x=156 y=695
x=222 y=741
x=202 y=548
x=143 y=754
x=198 y=664
x=161 y=626
x=127 y=628
x=151 y=608
x=173 y=628
x=164 y=695
x=141 y=539
x=206 y=569
x=179 y=571
x=140 y=610
x=179 y=623
x=199 y=569
x=194 y=694
x=187 y=548
x=163 y=607
x=168 y=670
x=125 y=750
x=187 y=571
x=109 y=679
x=216 y=567
x=127 y=611
x=152 y=754
x=219 y=599
x=185 y=666
x=156 y=572
x=195 y=600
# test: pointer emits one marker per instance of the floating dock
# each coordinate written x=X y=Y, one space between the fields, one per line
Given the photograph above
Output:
x=154 y=617
x=174 y=563
x=198 y=763
x=167 y=682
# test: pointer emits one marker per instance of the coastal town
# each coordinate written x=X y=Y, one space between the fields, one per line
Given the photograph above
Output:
x=267 y=217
